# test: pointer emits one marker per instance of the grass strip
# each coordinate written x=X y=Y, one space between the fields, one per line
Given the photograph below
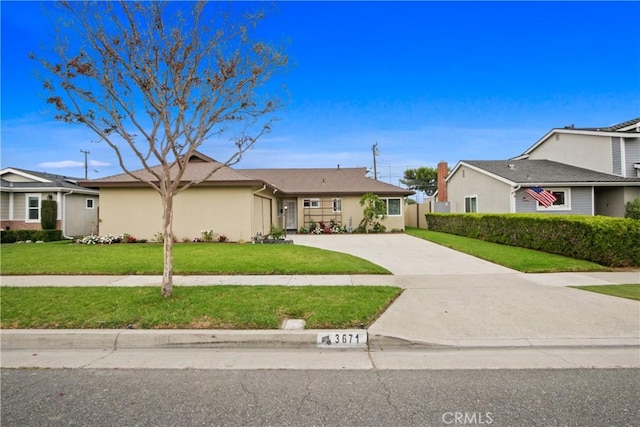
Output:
x=516 y=258
x=631 y=291
x=189 y=259
x=203 y=307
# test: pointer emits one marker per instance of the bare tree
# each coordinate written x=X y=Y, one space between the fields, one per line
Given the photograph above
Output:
x=156 y=80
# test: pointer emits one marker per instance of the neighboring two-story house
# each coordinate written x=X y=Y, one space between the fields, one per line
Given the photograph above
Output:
x=590 y=171
x=22 y=192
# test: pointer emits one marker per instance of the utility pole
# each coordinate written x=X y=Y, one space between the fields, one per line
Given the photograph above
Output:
x=86 y=163
x=376 y=152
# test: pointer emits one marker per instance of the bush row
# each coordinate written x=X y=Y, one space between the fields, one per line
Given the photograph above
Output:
x=607 y=241
x=12 y=236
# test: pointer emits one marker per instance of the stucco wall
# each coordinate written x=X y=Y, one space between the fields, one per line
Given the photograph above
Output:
x=585 y=151
x=138 y=211
x=493 y=196
x=79 y=220
x=262 y=214
x=414 y=214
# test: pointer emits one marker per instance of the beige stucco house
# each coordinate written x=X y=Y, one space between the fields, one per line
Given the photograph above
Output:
x=590 y=171
x=240 y=203
x=22 y=192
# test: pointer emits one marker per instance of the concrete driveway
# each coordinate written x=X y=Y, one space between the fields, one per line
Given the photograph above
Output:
x=402 y=254
x=455 y=299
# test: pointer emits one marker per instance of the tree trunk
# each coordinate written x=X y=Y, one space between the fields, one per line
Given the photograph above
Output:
x=167 y=233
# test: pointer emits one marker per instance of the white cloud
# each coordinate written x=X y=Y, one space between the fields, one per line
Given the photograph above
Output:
x=63 y=164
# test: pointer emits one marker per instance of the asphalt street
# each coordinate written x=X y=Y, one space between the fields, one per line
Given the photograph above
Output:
x=113 y=397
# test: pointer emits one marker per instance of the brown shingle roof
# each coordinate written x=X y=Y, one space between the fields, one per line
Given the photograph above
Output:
x=195 y=171
x=337 y=181
x=324 y=181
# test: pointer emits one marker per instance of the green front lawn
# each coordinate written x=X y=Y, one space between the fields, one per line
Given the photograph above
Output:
x=521 y=259
x=189 y=258
x=622 y=291
x=206 y=307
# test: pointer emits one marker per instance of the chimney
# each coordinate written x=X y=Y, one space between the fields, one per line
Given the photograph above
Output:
x=443 y=172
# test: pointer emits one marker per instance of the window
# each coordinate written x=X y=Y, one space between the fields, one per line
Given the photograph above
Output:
x=90 y=203
x=562 y=203
x=311 y=203
x=337 y=205
x=471 y=204
x=394 y=206
x=33 y=208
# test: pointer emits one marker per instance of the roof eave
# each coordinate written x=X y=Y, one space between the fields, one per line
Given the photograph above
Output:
x=480 y=170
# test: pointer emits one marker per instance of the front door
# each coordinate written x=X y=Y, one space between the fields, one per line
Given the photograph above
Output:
x=291 y=217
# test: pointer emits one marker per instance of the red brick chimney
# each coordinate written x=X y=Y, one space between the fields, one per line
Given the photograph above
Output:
x=443 y=172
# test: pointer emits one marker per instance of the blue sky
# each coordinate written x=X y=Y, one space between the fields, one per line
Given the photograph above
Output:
x=427 y=81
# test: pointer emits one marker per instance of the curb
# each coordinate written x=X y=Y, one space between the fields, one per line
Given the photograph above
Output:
x=121 y=339
x=114 y=339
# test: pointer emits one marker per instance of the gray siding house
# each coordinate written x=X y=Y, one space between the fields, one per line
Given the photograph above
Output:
x=590 y=171
x=22 y=192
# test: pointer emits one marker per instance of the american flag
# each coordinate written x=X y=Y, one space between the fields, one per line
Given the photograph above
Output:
x=543 y=197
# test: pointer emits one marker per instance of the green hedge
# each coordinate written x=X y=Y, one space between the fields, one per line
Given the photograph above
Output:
x=12 y=236
x=613 y=242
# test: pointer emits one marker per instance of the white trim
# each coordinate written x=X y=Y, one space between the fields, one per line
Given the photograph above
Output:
x=513 y=199
x=86 y=203
x=635 y=126
x=59 y=207
x=11 y=206
x=23 y=174
x=26 y=207
x=623 y=158
x=50 y=190
x=333 y=204
x=386 y=199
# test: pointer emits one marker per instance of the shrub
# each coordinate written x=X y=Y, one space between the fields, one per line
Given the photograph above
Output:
x=633 y=209
x=12 y=236
x=276 y=233
x=605 y=240
x=207 y=235
x=48 y=214
x=374 y=209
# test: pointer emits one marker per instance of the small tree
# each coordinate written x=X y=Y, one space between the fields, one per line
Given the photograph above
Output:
x=633 y=209
x=421 y=179
x=374 y=210
x=156 y=80
x=48 y=214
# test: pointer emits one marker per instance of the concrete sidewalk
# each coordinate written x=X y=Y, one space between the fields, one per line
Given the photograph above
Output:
x=450 y=300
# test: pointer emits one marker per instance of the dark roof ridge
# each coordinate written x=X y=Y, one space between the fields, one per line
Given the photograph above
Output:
x=611 y=128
